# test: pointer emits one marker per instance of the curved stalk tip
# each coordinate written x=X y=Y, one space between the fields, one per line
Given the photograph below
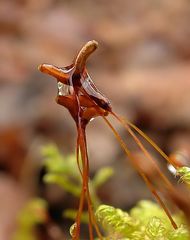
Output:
x=84 y=53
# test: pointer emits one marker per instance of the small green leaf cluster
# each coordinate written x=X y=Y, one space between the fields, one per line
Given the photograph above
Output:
x=145 y=221
x=63 y=171
x=184 y=173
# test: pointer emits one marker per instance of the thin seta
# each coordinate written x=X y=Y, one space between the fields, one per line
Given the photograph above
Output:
x=78 y=93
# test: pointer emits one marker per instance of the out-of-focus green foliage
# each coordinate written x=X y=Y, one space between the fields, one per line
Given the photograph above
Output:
x=33 y=213
x=63 y=171
x=102 y=176
x=184 y=173
x=145 y=221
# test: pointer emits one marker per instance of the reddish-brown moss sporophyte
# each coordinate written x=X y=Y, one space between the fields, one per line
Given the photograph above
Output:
x=78 y=93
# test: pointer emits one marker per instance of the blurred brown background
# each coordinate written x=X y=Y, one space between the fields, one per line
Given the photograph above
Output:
x=142 y=65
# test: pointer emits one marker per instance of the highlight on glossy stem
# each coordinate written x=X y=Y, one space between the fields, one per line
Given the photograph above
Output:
x=78 y=93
